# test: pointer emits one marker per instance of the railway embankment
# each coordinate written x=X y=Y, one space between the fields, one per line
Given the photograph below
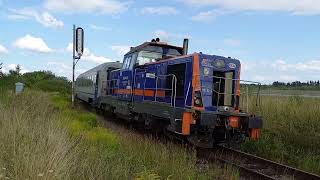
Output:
x=41 y=136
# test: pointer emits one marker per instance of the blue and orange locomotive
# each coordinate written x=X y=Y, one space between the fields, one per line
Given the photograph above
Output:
x=195 y=96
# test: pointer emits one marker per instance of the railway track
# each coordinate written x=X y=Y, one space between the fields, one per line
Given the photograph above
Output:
x=250 y=166
x=254 y=167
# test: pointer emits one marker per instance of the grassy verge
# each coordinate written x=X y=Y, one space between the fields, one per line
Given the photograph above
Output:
x=291 y=132
x=41 y=137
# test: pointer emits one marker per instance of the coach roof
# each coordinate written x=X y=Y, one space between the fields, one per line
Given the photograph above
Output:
x=101 y=67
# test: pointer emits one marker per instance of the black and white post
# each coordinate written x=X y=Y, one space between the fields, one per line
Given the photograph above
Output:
x=78 y=36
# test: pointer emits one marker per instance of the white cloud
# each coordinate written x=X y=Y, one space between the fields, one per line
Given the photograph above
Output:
x=89 y=56
x=163 y=35
x=280 y=70
x=76 y=6
x=309 y=66
x=62 y=69
x=166 y=36
x=3 y=50
x=208 y=16
x=3 y=70
x=61 y=65
x=48 y=20
x=13 y=67
x=70 y=47
x=297 y=7
x=120 y=50
x=44 y=18
x=35 y=44
x=231 y=42
x=99 y=28
x=160 y=10
x=18 y=17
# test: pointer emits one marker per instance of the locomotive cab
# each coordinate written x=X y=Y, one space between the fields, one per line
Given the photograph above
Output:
x=138 y=57
x=149 y=52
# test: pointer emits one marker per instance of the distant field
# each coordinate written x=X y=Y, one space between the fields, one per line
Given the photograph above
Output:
x=302 y=93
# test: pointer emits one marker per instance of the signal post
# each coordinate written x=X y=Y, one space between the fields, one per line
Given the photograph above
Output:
x=78 y=36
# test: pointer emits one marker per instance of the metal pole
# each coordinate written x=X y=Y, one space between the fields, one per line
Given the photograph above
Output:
x=155 y=95
x=247 y=88
x=73 y=65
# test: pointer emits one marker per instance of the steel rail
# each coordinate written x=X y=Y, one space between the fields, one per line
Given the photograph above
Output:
x=251 y=166
x=254 y=167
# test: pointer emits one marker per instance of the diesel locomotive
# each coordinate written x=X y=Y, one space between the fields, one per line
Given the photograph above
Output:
x=195 y=96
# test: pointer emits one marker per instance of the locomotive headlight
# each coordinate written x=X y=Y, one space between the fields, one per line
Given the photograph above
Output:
x=198 y=99
x=219 y=64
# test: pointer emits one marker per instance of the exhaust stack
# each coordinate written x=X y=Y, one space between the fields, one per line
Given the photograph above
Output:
x=185 y=46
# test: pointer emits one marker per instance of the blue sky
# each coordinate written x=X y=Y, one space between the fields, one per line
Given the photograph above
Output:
x=275 y=40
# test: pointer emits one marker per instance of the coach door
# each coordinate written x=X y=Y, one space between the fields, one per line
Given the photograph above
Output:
x=96 y=87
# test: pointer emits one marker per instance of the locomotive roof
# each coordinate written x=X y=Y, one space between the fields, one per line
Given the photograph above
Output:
x=159 y=44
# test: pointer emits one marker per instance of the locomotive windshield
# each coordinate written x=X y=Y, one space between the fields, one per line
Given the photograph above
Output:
x=148 y=57
x=154 y=53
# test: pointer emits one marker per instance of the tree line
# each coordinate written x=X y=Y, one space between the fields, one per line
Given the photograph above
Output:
x=296 y=84
x=42 y=80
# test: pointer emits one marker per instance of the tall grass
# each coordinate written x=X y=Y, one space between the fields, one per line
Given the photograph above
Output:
x=41 y=137
x=126 y=155
x=31 y=145
x=291 y=131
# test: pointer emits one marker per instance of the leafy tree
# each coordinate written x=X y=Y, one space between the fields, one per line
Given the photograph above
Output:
x=16 y=71
x=41 y=80
x=308 y=85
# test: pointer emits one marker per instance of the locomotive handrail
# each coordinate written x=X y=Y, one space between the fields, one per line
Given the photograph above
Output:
x=174 y=81
x=134 y=81
x=173 y=88
x=244 y=82
x=187 y=95
x=109 y=87
x=253 y=82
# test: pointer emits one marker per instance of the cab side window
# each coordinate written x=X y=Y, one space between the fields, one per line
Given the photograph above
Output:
x=126 y=62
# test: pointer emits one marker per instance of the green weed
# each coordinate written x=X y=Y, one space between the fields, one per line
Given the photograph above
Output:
x=291 y=133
